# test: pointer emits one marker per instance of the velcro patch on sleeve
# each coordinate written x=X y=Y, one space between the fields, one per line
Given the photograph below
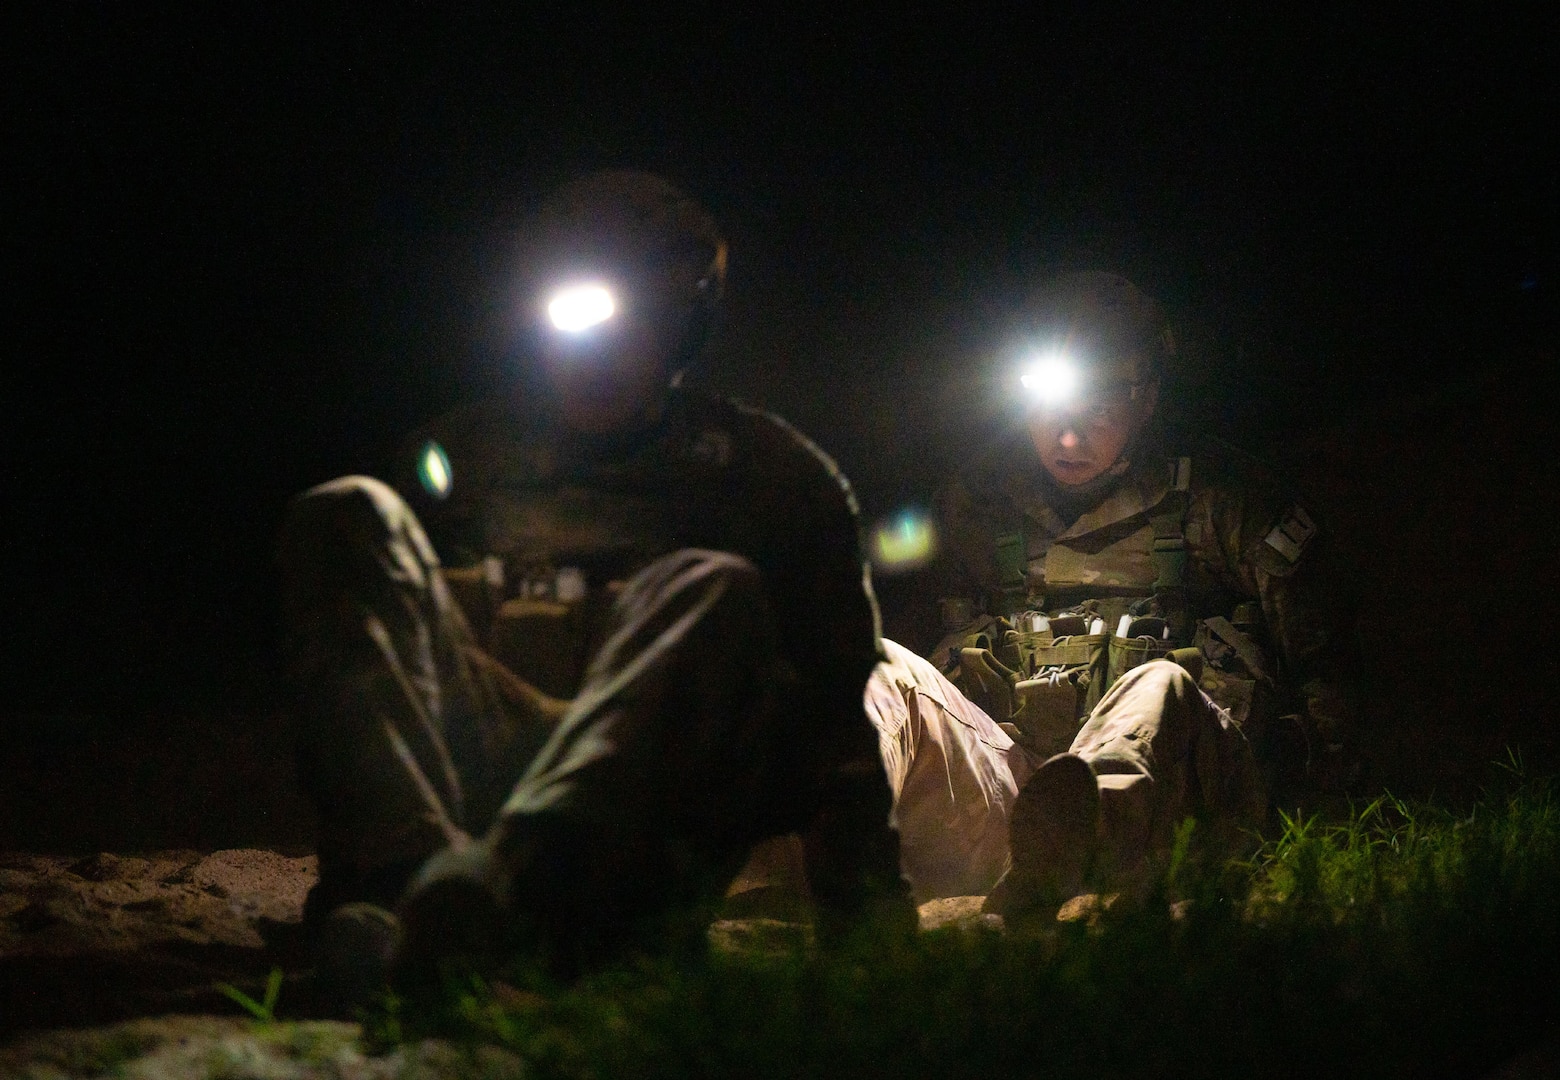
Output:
x=1292 y=533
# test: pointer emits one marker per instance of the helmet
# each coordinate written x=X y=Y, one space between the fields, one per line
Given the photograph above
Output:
x=633 y=232
x=1104 y=323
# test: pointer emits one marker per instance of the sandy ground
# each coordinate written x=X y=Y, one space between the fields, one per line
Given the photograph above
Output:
x=84 y=941
x=109 y=964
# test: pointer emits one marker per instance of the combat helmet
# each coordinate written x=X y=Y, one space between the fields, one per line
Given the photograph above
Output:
x=621 y=238
x=1106 y=327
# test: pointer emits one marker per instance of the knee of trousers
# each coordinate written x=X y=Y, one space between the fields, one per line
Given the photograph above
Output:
x=683 y=576
x=1143 y=719
x=1160 y=687
x=1160 y=676
x=353 y=532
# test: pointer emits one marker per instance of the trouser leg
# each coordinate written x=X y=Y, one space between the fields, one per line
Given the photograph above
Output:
x=1161 y=751
x=673 y=760
x=953 y=772
x=402 y=746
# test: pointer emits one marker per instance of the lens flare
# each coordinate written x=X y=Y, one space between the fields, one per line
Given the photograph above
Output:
x=1051 y=379
x=903 y=542
x=433 y=470
x=580 y=307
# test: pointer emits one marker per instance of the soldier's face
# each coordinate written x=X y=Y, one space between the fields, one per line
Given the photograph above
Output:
x=1080 y=441
x=613 y=379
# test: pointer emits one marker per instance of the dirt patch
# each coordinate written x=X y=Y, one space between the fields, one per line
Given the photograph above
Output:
x=89 y=940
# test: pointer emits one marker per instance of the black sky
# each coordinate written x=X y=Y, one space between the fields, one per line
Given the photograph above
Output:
x=247 y=250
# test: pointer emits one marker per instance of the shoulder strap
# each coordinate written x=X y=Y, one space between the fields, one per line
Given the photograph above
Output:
x=1012 y=557
x=1169 y=523
x=1169 y=553
x=1244 y=647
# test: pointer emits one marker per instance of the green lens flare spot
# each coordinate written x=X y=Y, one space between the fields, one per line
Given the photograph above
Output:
x=904 y=542
x=433 y=470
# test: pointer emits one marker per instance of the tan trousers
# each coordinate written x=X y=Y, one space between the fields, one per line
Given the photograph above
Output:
x=675 y=758
x=1162 y=751
x=1159 y=747
x=954 y=774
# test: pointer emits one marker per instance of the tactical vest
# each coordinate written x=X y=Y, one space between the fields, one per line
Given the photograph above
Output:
x=1069 y=623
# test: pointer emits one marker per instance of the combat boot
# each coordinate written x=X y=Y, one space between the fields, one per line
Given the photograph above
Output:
x=1053 y=837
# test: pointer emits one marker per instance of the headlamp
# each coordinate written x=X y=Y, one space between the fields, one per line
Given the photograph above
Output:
x=1052 y=378
x=576 y=308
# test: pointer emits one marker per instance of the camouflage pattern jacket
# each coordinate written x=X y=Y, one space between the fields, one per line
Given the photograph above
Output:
x=1239 y=548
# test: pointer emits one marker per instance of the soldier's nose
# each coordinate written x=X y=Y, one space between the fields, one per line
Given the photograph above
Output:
x=1069 y=439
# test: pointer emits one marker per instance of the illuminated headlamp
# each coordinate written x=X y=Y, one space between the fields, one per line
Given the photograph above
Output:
x=577 y=308
x=1052 y=379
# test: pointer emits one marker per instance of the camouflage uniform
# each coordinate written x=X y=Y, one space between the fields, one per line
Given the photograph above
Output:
x=695 y=593
x=1201 y=551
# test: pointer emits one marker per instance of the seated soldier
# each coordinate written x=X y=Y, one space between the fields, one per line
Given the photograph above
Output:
x=661 y=654
x=1147 y=615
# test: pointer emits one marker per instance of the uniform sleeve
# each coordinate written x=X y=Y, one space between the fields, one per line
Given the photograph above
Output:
x=1271 y=548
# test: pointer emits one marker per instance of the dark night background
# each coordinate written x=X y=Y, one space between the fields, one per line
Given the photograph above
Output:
x=247 y=251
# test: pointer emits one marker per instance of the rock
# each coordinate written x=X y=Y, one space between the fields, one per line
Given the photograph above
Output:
x=258 y=884
x=110 y=936
x=767 y=937
x=963 y=912
x=1086 y=908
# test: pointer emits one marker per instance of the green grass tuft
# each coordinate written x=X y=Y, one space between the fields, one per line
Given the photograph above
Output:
x=1403 y=940
x=264 y=1010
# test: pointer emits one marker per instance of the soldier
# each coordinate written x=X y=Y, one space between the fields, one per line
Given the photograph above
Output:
x=1148 y=616
x=664 y=632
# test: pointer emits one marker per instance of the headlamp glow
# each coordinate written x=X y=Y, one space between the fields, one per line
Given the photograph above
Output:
x=579 y=307
x=1051 y=379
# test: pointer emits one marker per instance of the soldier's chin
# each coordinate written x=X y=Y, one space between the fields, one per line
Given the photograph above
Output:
x=1073 y=474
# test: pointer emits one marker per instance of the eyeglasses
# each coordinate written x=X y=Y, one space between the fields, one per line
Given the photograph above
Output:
x=1097 y=406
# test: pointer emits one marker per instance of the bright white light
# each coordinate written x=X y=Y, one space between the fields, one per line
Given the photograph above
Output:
x=579 y=307
x=1052 y=378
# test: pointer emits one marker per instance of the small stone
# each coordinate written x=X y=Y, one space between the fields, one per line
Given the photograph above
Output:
x=959 y=911
x=770 y=937
x=1086 y=908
